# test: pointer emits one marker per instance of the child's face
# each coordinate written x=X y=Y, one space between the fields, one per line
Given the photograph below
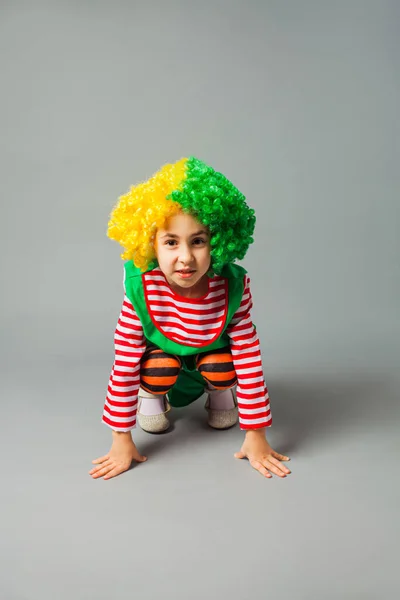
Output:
x=183 y=253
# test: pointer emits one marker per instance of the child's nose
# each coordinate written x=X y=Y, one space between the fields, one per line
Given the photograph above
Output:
x=185 y=254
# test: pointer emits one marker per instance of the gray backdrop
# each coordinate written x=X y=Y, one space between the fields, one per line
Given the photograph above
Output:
x=296 y=102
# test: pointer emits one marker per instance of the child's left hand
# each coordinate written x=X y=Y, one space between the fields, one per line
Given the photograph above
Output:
x=261 y=456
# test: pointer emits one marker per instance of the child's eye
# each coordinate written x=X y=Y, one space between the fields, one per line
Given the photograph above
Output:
x=170 y=242
x=198 y=241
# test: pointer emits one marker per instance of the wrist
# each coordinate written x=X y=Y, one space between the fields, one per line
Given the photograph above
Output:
x=122 y=436
x=256 y=433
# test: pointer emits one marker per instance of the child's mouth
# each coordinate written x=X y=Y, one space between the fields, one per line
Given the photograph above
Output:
x=185 y=274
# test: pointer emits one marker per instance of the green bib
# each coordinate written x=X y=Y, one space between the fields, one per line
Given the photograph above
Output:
x=190 y=384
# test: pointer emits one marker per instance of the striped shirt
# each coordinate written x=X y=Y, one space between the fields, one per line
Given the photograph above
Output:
x=193 y=322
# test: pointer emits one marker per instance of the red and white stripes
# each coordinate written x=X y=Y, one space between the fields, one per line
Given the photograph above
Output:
x=121 y=400
x=252 y=393
x=195 y=322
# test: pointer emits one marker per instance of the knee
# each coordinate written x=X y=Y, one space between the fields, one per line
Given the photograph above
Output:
x=159 y=372
x=217 y=369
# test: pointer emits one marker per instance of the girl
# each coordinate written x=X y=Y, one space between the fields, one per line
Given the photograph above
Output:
x=185 y=325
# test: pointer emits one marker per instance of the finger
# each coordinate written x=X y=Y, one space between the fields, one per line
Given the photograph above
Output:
x=106 y=465
x=100 y=459
x=103 y=471
x=102 y=466
x=277 y=463
x=93 y=471
x=260 y=468
x=239 y=455
x=273 y=468
x=114 y=472
x=108 y=461
x=280 y=456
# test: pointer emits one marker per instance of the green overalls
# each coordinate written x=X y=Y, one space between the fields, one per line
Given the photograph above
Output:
x=190 y=384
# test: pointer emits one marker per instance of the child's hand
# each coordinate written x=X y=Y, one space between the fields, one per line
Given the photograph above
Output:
x=261 y=456
x=123 y=451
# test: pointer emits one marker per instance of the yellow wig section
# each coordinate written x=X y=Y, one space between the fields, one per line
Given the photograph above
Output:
x=144 y=209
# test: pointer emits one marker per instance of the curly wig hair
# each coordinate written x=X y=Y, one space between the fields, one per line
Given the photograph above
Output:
x=188 y=186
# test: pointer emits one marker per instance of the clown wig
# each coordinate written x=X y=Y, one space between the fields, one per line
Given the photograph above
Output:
x=188 y=186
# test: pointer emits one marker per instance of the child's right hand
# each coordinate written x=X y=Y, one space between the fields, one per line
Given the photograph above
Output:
x=123 y=451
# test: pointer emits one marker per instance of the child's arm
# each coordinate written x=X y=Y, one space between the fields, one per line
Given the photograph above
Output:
x=121 y=402
x=252 y=393
x=123 y=387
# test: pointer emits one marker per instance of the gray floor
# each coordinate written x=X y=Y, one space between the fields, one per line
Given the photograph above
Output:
x=193 y=521
x=297 y=103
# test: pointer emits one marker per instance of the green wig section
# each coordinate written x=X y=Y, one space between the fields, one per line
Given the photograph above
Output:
x=214 y=201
